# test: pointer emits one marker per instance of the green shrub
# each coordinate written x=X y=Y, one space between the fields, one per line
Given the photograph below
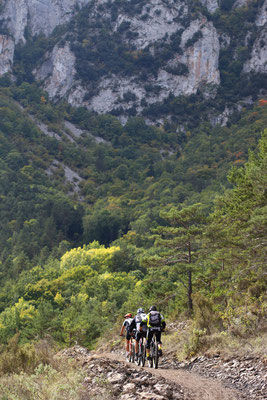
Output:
x=16 y=358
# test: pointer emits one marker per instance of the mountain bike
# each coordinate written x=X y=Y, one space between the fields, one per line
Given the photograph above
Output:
x=141 y=355
x=132 y=348
x=131 y=355
x=153 y=361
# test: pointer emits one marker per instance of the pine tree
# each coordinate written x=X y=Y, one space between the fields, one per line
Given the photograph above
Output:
x=179 y=243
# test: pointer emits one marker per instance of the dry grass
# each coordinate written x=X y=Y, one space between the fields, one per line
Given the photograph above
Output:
x=110 y=340
x=34 y=372
x=45 y=383
x=183 y=341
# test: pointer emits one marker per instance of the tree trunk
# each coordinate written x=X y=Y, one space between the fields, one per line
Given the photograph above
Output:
x=189 y=290
x=189 y=275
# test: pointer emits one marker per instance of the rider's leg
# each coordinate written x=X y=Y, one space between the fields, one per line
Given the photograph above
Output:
x=158 y=337
x=128 y=338
x=144 y=336
x=136 y=346
x=137 y=338
x=148 y=341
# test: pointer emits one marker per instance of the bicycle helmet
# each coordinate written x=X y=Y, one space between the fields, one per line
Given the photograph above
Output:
x=140 y=311
x=129 y=315
x=153 y=308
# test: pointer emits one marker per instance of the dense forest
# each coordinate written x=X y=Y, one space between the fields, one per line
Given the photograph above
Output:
x=157 y=216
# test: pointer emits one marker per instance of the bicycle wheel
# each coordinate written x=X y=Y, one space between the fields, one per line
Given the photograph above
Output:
x=150 y=359
x=156 y=356
x=132 y=355
x=143 y=355
x=137 y=360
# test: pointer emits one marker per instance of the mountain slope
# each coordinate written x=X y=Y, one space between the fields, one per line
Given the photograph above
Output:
x=125 y=56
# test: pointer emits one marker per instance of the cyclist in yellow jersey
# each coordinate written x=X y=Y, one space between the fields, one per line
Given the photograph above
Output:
x=155 y=325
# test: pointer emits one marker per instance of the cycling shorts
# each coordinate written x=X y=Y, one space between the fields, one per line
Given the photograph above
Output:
x=140 y=334
x=130 y=334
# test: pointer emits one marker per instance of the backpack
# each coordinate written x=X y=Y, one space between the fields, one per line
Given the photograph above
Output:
x=139 y=318
x=155 y=318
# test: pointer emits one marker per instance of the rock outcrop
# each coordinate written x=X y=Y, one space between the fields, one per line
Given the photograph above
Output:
x=116 y=380
x=262 y=16
x=176 y=32
x=6 y=54
x=154 y=22
x=258 y=60
x=58 y=72
x=240 y=377
x=40 y=16
x=14 y=17
x=199 y=56
x=200 y=59
x=212 y=5
x=246 y=373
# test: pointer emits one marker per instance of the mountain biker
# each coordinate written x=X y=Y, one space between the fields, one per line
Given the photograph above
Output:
x=126 y=326
x=155 y=325
x=140 y=327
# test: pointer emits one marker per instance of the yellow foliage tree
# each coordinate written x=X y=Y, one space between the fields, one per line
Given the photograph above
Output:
x=98 y=257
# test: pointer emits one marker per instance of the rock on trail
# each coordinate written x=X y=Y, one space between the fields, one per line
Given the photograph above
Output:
x=109 y=376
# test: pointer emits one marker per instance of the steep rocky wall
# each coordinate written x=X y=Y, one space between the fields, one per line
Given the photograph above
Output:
x=258 y=60
x=201 y=60
x=41 y=16
x=6 y=54
x=212 y=5
x=155 y=21
x=193 y=63
x=262 y=16
x=58 y=71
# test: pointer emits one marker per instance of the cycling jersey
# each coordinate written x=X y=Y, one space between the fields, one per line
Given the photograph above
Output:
x=127 y=323
x=138 y=324
x=154 y=319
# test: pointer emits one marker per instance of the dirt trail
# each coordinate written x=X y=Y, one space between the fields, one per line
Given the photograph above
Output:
x=197 y=387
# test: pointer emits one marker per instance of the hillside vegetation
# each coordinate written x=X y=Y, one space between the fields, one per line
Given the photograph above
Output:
x=162 y=201
x=154 y=221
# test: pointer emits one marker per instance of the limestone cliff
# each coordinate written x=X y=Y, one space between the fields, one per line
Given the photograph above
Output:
x=39 y=15
x=58 y=71
x=258 y=60
x=198 y=55
x=262 y=15
x=201 y=60
x=6 y=54
x=212 y=5
x=157 y=48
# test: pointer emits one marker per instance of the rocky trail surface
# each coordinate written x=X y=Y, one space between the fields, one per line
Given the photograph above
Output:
x=109 y=376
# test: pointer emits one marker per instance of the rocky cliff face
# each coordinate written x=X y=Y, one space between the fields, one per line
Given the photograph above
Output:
x=258 y=60
x=201 y=60
x=262 y=15
x=212 y=5
x=198 y=54
x=6 y=54
x=38 y=15
x=180 y=34
x=58 y=71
